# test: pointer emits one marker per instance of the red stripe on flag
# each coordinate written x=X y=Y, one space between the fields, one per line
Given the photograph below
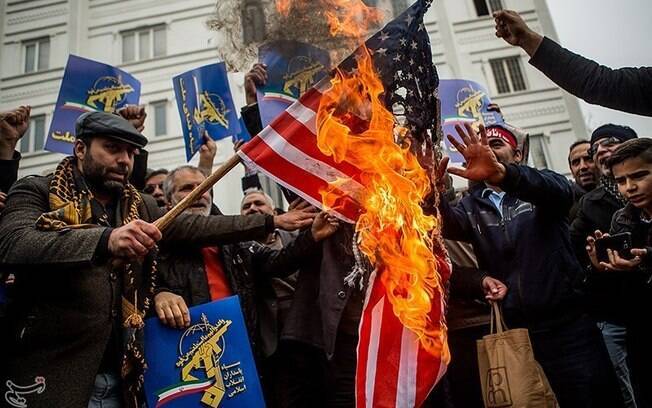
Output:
x=311 y=99
x=296 y=177
x=302 y=138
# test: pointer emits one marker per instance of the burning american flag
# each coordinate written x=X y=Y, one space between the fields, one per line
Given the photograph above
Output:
x=341 y=147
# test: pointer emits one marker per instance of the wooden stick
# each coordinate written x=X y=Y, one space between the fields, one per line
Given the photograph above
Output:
x=163 y=222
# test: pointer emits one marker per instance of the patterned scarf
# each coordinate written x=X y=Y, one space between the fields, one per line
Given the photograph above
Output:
x=611 y=188
x=71 y=204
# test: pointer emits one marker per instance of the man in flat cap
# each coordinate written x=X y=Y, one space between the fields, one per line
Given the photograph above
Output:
x=84 y=255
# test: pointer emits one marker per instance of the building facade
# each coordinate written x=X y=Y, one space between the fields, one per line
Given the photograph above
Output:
x=155 y=40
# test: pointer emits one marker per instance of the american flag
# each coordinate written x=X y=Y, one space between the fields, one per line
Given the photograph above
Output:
x=392 y=368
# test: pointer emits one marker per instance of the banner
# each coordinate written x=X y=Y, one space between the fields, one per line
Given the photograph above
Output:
x=205 y=103
x=463 y=101
x=209 y=364
x=292 y=69
x=87 y=85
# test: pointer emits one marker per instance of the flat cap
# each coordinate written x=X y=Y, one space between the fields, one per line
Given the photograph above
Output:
x=108 y=125
x=622 y=133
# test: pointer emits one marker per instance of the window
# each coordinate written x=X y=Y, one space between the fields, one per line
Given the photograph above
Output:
x=160 y=118
x=34 y=138
x=508 y=75
x=487 y=7
x=37 y=55
x=143 y=44
x=253 y=22
x=538 y=156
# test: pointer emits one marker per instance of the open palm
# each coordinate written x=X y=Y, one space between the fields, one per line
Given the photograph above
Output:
x=481 y=162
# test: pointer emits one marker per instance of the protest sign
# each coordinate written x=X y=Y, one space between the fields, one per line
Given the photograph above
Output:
x=87 y=85
x=209 y=364
x=205 y=103
x=292 y=69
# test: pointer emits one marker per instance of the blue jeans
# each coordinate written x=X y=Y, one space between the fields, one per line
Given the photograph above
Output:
x=615 y=337
x=106 y=392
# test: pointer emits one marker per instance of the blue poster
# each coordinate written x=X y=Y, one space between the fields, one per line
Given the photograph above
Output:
x=292 y=69
x=87 y=85
x=209 y=364
x=463 y=101
x=244 y=134
x=205 y=103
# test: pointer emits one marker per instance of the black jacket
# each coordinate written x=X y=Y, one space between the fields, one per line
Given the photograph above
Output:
x=637 y=284
x=249 y=267
x=9 y=172
x=624 y=89
x=527 y=248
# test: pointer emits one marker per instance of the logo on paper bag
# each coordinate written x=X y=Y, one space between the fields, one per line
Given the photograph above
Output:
x=498 y=394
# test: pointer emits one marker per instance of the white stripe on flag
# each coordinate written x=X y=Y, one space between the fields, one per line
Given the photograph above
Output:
x=372 y=355
x=304 y=115
x=406 y=389
x=310 y=164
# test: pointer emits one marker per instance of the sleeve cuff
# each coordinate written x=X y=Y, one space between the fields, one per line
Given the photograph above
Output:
x=102 y=253
x=543 y=53
x=512 y=178
x=269 y=224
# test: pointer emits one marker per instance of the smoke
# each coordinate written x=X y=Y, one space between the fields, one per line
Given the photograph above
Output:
x=306 y=21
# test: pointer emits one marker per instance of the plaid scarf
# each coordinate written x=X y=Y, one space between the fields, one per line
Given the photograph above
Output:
x=611 y=188
x=72 y=206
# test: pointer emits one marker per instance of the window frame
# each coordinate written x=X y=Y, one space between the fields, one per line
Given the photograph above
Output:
x=511 y=67
x=541 y=139
x=155 y=105
x=151 y=31
x=38 y=44
x=488 y=7
x=30 y=135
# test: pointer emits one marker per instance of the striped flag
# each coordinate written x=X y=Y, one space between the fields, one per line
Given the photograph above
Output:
x=393 y=370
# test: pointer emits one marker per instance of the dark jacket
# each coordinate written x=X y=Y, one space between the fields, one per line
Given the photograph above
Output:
x=578 y=193
x=322 y=300
x=596 y=209
x=527 y=248
x=624 y=89
x=637 y=285
x=249 y=267
x=67 y=298
x=9 y=172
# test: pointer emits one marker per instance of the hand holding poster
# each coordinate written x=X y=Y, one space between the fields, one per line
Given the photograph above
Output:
x=292 y=69
x=88 y=85
x=463 y=101
x=205 y=103
x=209 y=364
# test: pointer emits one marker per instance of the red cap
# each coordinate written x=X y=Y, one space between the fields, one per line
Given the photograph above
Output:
x=501 y=133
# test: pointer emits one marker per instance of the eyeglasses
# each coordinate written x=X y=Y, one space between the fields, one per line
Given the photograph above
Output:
x=606 y=142
x=150 y=188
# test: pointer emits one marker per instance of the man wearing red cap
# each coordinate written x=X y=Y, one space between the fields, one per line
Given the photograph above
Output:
x=516 y=219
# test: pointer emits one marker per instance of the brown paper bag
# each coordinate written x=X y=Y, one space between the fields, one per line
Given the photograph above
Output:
x=509 y=374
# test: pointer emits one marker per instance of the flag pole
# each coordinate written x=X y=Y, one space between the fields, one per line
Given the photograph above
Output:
x=163 y=222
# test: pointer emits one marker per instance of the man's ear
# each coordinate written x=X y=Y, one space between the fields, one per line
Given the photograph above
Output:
x=79 y=149
x=518 y=156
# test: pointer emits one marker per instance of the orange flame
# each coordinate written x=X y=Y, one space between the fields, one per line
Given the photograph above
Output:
x=354 y=125
x=349 y=18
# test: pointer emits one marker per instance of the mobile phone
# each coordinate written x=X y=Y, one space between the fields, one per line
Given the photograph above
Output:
x=619 y=242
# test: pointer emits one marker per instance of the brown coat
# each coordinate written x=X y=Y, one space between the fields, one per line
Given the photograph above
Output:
x=65 y=300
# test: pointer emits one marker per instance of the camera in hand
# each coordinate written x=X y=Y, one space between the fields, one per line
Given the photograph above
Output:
x=622 y=243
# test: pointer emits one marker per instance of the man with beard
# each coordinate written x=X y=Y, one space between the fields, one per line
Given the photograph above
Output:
x=84 y=256
x=584 y=172
x=515 y=218
x=249 y=269
x=596 y=209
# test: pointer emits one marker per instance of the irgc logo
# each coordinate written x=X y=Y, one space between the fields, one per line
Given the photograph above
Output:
x=498 y=394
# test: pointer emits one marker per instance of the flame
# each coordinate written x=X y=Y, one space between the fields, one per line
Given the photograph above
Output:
x=395 y=234
x=351 y=18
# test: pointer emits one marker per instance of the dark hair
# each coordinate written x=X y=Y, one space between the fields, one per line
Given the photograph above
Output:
x=574 y=145
x=630 y=149
x=152 y=173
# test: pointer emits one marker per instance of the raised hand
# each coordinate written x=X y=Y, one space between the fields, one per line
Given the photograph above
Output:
x=511 y=28
x=481 y=162
x=207 y=153
x=13 y=125
x=256 y=77
x=299 y=216
x=136 y=115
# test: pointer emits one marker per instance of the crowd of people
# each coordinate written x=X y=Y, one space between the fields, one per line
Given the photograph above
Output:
x=83 y=264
